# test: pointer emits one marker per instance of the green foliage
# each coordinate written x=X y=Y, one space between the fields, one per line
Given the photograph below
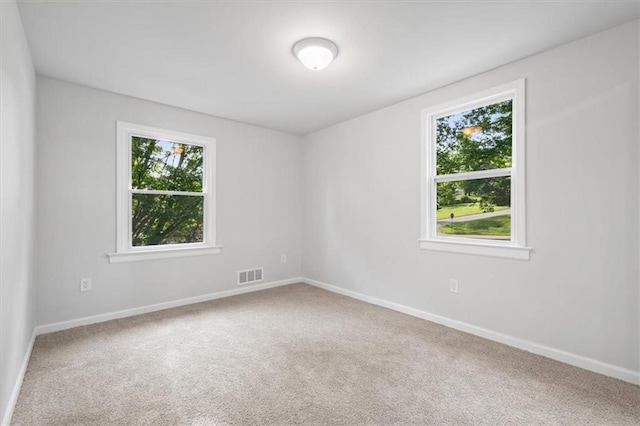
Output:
x=498 y=226
x=478 y=139
x=447 y=193
x=166 y=219
x=166 y=166
x=463 y=209
x=491 y=192
x=163 y=165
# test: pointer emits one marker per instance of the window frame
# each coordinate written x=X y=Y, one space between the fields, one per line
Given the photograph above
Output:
x=125 y=251
x=429 y=240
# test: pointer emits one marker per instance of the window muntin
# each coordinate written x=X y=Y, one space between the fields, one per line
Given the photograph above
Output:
x=166 y=193
x=475 y=139
x=473 y=167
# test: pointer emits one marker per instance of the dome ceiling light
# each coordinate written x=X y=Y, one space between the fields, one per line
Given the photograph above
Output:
x=315 y=53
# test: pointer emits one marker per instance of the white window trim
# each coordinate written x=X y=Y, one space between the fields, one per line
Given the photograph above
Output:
x=515 y=248
x=125 y=252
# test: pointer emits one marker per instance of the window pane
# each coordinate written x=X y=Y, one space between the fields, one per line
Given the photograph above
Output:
x=478 y=139
x=166 y=219
x=165 y=165
x=479 y=208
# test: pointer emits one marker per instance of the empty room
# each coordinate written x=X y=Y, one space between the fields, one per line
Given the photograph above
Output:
x=319 y=212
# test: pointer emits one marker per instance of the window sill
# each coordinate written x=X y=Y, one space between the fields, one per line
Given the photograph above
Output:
x=135 y=256
x=480 y=249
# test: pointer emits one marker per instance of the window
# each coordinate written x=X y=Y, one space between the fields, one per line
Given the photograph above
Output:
x=473 y=174
x=166 y=194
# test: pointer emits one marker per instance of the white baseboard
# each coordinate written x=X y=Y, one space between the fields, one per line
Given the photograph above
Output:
x=64 y=325
x=13 y=399
x=546 y=351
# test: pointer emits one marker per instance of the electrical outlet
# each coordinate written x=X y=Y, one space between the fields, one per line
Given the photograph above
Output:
x=85 y=284
x=453 y=285
x=283 y=258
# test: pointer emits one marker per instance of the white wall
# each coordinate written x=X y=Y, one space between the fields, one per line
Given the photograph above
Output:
x=17 y=123
x=259 y=205
x=579 y=292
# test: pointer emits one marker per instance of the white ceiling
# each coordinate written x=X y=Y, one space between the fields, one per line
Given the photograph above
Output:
x=234 y=60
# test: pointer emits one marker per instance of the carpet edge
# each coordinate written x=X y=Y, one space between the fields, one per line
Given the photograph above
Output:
x=94 y=319
x=575 y=360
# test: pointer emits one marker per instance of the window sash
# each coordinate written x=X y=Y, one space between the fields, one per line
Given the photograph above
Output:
x=204 y=193
x=205 y=163
x=163 y=192
x=433 y=210
x=434 y=178
x=203 y=243
x=480 y=174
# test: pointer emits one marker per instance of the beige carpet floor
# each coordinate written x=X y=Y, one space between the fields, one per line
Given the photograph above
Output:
x=298 y=354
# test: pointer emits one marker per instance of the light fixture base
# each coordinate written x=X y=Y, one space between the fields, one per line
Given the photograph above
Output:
x=315 y=53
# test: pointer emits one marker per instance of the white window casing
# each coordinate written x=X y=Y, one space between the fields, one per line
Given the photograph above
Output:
x=125 y=251
x=429 y=240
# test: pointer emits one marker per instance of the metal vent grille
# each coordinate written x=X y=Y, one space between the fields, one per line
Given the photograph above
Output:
x=249 y=276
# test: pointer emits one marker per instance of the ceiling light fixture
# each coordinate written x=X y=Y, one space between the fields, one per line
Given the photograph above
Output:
x=315 y=53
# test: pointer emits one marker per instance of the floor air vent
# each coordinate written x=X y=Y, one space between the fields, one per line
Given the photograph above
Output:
x=249 y=276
